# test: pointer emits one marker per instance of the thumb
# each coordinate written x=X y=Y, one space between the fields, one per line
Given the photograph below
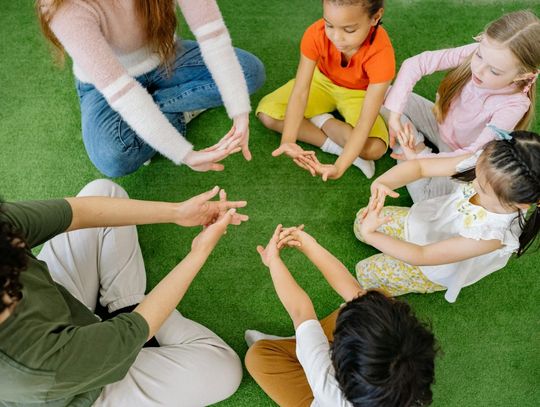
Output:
x=206 y=196
x=324 y=176
x=216 y=167
x=393 y=194
x=399 y=157
x=260 y=250
x=246 y=153
x=277 y=152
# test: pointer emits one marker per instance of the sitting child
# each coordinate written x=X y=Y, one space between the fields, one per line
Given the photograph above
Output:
x=346 y=64
x=371 y=352
x=452 y=241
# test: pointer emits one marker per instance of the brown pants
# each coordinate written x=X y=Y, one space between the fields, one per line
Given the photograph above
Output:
x=274 y=366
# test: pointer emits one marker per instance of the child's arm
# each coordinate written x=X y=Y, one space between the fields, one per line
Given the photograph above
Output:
x=298 y=100
x=292 y=296
x=443 y=252
x=372 y=104
x=406 y=172
x=337 y=275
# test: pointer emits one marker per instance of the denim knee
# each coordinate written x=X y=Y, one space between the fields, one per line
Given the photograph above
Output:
x=253 y=69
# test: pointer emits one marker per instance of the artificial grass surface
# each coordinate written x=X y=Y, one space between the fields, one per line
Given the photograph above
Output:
x=490 y=336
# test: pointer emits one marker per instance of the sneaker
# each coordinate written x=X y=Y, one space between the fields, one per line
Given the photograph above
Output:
x=189 y=116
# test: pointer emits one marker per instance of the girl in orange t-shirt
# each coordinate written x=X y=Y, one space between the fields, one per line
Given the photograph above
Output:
x=346 y=64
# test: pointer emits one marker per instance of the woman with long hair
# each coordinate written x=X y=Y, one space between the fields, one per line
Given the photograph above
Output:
x=139 y=85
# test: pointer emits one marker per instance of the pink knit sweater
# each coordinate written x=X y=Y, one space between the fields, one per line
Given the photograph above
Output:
x=464 y=128
x=108 y=48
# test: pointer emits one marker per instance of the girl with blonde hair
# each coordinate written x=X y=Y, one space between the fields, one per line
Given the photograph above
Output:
x=492 y=81
x=139 y=85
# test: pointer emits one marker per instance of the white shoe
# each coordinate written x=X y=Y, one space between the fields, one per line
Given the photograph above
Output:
x=147 y=162
x=189 y=116
x=251 y=336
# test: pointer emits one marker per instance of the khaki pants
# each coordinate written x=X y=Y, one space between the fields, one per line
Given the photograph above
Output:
x=274 y=366
x=192 y=367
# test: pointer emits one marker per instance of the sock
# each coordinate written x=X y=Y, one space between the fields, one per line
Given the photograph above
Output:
x=366 y=166
x=320 y=119
x=251 y=336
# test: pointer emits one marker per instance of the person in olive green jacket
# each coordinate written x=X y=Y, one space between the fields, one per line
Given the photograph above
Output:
x=55 y=351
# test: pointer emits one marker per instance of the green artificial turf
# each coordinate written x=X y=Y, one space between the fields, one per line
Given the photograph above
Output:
x=490 y=336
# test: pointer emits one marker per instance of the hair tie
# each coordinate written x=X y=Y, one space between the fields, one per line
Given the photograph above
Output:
x=530 y=82
x=501 y=134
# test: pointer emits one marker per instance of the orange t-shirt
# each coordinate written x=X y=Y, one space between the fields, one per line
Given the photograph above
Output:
x=372 y=63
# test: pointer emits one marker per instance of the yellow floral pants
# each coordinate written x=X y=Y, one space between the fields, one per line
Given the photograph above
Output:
x=385 y=272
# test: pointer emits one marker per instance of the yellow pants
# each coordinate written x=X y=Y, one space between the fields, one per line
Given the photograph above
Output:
x=384 y=272
x=324 y=97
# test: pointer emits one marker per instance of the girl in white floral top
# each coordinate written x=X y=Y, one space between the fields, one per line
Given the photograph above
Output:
x=452 y=241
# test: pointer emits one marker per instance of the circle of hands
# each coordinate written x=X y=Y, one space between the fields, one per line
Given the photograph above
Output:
x=216 y=216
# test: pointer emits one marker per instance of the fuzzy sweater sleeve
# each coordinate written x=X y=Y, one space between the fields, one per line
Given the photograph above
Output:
x=206 y=23
x=77 y=26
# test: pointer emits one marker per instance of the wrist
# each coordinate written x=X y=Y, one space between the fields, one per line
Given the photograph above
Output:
x=273 y=262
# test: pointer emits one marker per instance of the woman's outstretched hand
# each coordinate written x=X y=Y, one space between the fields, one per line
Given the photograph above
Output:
x=209 y=237
x=208 y=159
x=241 y=130
x=201 y=210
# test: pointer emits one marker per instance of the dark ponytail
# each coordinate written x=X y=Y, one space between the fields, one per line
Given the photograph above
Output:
x=513 y=171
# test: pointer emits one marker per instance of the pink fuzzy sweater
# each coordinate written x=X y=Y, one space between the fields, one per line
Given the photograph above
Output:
x=108 y=48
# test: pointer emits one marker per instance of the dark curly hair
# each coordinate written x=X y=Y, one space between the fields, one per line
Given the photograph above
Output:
x=13 y=261
x=382 y=354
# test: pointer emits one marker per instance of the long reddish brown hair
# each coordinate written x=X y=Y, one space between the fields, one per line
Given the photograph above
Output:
x=157 y=17
x=519 y=31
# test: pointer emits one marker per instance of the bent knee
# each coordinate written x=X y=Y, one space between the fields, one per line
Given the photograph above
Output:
x=269 y=122
x=356 y=225
x=103 y=187
x=374 y=149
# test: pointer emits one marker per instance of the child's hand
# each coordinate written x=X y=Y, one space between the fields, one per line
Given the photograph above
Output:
x=327 y=171
x=379 y=192
x=407 y=141
x=291 y=237
x=206 y=240
x=371 y=218
x=394 y=127
x=304 y=159
x=270 y=253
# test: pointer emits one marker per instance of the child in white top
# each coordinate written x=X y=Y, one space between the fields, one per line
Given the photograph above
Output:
x=372 y=351
x=492 y=81
x=452 y=241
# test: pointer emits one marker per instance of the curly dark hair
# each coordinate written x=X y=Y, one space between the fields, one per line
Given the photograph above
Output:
x=382 y=354
x=13 y=261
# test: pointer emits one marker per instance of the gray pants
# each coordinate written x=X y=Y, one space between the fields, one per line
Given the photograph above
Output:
x=192 y=367
x=419 y=112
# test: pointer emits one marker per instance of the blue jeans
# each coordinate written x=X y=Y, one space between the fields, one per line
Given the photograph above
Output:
x=114 y=148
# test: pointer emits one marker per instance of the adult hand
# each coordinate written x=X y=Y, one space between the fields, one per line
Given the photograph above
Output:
x=207 y=159
x=304 y=159
x=241 y=130
x=200 y=210
x=371 y=218
x=206 y=240
x=270 y=253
